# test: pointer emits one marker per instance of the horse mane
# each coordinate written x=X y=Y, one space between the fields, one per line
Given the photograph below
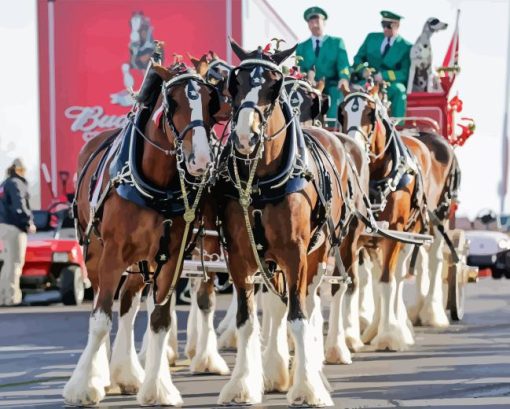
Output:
x=150 y=89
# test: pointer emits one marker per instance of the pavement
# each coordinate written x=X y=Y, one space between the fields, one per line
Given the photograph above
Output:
x=464 y=366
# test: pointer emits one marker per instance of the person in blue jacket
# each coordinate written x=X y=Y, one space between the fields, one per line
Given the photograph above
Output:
x=15 y=222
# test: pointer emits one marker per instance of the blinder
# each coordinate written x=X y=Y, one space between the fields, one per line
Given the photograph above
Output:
x=192 y=94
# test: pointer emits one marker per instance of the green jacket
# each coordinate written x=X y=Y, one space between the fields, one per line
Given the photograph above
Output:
x=394 y=67
x=332 y=63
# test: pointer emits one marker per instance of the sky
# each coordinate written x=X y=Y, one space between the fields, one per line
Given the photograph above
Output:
x=481 y=83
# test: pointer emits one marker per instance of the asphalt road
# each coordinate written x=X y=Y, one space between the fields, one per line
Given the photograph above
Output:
x=467 y=365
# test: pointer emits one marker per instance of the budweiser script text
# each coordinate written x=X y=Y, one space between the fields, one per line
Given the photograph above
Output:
x=92 y=120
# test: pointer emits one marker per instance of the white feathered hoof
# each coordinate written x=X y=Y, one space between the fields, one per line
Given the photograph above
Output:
x=228 y=340
x=190 y=352
x=338 y=354
x=433 y=315
x=354 y=342
x=391 y=338
x=159 y=392
x=209 y=362
x=127 y=378
x=369 y=333
x=307 y=394
x=79 y=391
x=171 y=355
x=364 y=322
x=276 y=373
x=241 y=391
x=413 y=314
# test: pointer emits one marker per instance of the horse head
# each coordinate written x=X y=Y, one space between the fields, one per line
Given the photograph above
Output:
x=215 y=72
x=311 y=102
x=254 y=86
x=360 y=118
x=190 y=107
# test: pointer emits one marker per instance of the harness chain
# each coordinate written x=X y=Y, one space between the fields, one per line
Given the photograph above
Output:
x=245 y=201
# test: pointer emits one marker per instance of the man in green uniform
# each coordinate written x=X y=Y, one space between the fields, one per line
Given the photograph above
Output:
x=388 y=54
x=325 y=55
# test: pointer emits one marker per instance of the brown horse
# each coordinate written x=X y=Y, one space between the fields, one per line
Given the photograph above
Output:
x=291 y=184
x=445 y=181
x=127 y=373
x=313 y=106
x=399 y=179
x=173 y=148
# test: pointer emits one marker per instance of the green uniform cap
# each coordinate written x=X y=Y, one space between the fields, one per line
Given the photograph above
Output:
x=389 y=16
x=314 y=12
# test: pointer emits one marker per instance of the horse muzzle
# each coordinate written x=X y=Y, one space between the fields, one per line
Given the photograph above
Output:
x=245 y=144
x=197 y=164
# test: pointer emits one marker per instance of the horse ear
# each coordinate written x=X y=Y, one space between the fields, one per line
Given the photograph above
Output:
x=238 y=50
x=162 y=72
x=281 y=56
x=213 y=55
x=315 y=109
x=194 y=61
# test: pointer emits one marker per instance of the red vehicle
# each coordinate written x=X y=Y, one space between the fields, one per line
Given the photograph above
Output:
x=54 y=258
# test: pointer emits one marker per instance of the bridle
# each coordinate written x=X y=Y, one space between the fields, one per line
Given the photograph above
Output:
x=376 y=116
x=256 y=80
x=367 y=136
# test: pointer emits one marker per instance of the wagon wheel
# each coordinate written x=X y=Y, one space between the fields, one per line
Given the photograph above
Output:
x=456 y=280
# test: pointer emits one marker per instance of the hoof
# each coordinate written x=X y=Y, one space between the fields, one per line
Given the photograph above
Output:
x=276 y=374
x=392 y=338
x=305 y=394
x=241 y=391
x=433 y=315
x=338 y=355
x=190 y=353
x=85 y=395
x=209 y=363
x=159 y=392
x=228 y=340
x=354 y=343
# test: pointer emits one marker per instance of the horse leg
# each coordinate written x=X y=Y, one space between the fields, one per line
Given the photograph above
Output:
x=275 y=356
x=308 y=388
x=267 y=302
x=433 y=312
x=92 y=373
x=172 y=349
x=376 y=272
x=157 y=388
x=400 y=308
x=313 y=303
x=192 y=327
x=366 y=294
x=230 y=315
x=390 y=335
x=125 y=369
x=207 y=359
x=352 y=329
x=246 y=383
x=337 y=351
x=149 y=301
x=228 y=338
x=422 y=284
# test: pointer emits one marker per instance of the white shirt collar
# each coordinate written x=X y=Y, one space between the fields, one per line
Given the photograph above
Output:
x=385 y=41
x=314 y=40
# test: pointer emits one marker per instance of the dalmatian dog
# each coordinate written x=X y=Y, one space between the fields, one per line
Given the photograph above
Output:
x=421 y=77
